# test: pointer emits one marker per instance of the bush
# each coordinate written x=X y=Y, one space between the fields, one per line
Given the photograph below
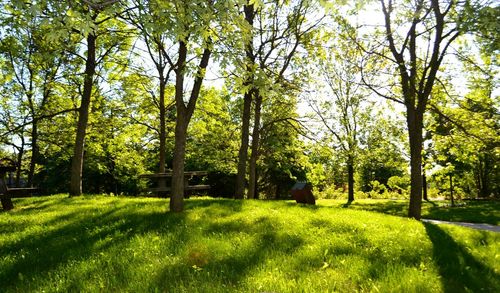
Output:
x=329 y=192
x=398 y=183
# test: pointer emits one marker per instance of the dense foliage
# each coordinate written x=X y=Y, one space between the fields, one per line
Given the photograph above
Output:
x=102 y=83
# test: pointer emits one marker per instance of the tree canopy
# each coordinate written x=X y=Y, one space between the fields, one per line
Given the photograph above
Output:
x=260 y=94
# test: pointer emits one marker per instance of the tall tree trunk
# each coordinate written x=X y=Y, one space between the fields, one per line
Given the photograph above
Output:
x=415 y=128
x=424 y=184
x=7 y=204
x=350 y=178
x=247 y=104
x=485 y=180
x=451 y=191
x=35 y=152
x=183 y=116
x=479 y=179
x=19 y=163
x=177 y=187
x=83 y=116
x=162 y=183
x=177 y=196
x=252 y=184
x=243 y=153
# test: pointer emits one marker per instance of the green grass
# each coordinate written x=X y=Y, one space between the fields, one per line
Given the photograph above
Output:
x=468 y=211
x=124 y=244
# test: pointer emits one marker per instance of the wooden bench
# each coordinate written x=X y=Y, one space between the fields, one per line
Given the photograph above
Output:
x=6 y=193
x=187 y=175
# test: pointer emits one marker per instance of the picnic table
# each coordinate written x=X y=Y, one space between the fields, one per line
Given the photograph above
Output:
x=162 y=188
x=6 y=193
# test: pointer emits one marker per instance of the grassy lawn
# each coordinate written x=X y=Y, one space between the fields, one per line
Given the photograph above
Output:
x=124 y=244
x=469 y=211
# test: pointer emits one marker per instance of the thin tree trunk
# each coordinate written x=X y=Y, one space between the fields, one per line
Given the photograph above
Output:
x=162 y=183
x=243 y=153
x=479 y=180
x=252 y=184
x=350 y=179
x=7 y=204
x=83 y=116
x=451 y=191
x=424 y=183
x=34 y=153
x=415 y=127
x=485 y=186
x=19 y=162
x=247 y=104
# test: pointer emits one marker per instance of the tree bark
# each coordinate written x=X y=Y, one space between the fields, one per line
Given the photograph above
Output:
x=7 y=204
x=350 y=179
x=162 y=183
x=177 y=189
x=252 y=184
x=243 y=152
x=451 y=191
x=19 y=162
x=424 y=183
x=83 y=116
x=184 y=114
x=35 y=152
x=247 y=104
x=415 y=129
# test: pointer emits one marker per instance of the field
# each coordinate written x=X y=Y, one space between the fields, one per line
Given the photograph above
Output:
x=97 y=243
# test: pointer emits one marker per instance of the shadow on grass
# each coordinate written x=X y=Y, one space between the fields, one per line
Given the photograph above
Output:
x=261 y=240
x=79 y=238
x=347 y=204
x=396 y=208
x=473 y=212
x=460 y=271
x=82 y=232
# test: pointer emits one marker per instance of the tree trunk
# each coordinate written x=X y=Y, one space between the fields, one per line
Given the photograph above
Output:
x=451 y=191
x=350 y=179
x=83 y=116
x=415 y=127
x=19 y=162
x=485 y=181
x=247 y=104
x=424 y=184
x=35 y=152
x=183 y=116
x=252 y=184
x=177 y=187
x=243 y=153
x=7 y=204
x=162 y=183
x=177 y=190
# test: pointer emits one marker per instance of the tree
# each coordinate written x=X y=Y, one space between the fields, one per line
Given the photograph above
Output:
x=417 y=51
x=90 y=21
x=278 y=31
x=342 y=113
x=250 y=13
x=157 y=42
x=382 y=153
x=35 y=65
x=193 y=26
x=465 y=128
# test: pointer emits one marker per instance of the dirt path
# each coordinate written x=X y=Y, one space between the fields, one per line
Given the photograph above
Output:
x=477 y=226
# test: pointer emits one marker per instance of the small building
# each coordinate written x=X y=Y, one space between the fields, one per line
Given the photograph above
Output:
x=302 y=193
